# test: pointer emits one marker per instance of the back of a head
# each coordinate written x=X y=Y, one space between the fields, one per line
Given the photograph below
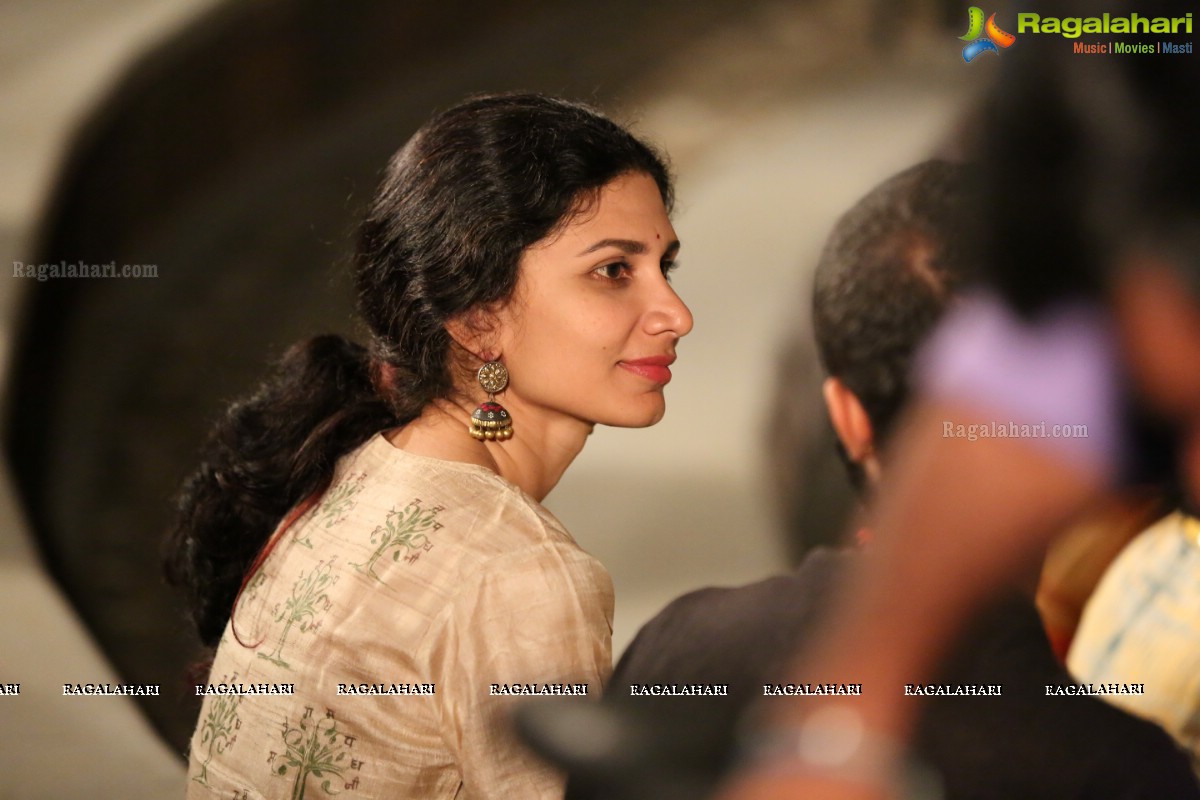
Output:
x=888 y=270
x=1087 y=158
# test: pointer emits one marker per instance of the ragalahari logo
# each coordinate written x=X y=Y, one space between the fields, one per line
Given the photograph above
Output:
x=992 y=39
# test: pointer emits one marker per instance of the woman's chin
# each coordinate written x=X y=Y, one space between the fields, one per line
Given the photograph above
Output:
x=641 y=418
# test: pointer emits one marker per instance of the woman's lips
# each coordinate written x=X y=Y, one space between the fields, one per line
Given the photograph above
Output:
x=655 y=368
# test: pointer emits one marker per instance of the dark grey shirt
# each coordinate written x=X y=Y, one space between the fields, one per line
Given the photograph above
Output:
x=1021 y=745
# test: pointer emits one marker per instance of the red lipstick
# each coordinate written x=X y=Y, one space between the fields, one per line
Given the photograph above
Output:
x=656 y=369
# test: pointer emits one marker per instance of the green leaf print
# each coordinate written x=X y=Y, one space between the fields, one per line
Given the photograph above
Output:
x=309 y=601
x=403 y=533
x=335 y=506
x=217 y=731
x=312 y=747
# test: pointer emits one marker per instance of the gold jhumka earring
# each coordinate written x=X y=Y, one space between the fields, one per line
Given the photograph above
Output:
x=491 y=421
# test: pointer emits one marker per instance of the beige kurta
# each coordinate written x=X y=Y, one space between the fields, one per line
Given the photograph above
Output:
x=426 y=579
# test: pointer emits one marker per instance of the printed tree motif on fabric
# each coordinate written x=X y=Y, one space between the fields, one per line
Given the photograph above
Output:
x=315 y=747
x=249 y=611
x=218 y=731
x=309 y=602
x=404 y=532
x=335 y=506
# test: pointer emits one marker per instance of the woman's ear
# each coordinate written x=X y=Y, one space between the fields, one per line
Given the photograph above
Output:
x=850 y=420
x=476 y=331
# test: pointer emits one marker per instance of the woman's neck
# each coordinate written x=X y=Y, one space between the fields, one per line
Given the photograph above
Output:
x=542 y=447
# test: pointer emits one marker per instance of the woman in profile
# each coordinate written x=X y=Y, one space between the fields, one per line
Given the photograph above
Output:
x=367 y=527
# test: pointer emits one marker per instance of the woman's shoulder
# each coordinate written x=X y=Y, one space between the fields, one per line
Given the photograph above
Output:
x=469 y=505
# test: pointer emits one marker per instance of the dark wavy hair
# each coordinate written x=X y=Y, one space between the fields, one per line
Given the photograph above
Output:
x=458 y=205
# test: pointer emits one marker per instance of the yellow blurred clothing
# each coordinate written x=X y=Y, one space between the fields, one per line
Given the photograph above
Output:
x=391 y=608
x=1077 y=560
x=1142 y=625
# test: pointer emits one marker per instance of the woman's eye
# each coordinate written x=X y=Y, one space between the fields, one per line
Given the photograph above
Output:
x=668 y=267
x=614 y=271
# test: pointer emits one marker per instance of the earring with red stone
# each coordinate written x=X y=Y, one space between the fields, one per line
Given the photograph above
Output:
x=491 y=421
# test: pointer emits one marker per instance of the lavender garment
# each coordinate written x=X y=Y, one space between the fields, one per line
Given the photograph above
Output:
x=1059 y=369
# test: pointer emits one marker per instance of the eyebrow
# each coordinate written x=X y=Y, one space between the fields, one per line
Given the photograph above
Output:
x=629 y=246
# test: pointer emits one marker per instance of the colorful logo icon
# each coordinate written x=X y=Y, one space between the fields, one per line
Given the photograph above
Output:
x=992 y=39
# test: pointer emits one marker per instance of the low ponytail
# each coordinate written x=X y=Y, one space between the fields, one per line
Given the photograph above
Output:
x=269 y=452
